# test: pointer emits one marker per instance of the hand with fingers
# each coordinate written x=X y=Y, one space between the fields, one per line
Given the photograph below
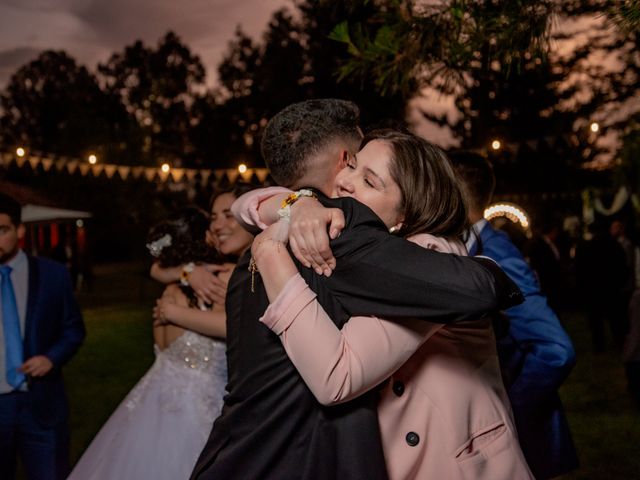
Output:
x=308 y=237
x=36 y=366
x=206 y=283
x=162 y=311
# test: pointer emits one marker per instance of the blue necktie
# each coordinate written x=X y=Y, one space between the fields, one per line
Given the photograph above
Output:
x=11 y=325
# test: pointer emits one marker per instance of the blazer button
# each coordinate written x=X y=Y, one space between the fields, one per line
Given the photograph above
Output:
x=412 y=439
x=398 y=388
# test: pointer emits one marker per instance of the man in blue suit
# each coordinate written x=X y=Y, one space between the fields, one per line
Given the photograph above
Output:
x=536 y=354
x=40 y=329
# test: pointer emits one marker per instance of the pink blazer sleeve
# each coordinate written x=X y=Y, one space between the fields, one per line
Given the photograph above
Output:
x=338 y=365
x=245 y=208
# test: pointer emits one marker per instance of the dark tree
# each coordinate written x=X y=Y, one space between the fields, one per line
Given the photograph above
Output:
x=158 y=87
x=55 y=106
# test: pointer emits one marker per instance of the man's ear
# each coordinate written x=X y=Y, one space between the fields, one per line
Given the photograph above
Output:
x=21 y=231
x=344 y=158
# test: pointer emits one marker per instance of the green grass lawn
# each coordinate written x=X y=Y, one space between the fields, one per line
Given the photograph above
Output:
x=603 y=419
x=118 y=350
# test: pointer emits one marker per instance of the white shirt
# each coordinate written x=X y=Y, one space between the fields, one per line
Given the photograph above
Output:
x=477 y=228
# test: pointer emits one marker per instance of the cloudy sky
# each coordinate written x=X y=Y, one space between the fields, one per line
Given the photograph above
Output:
x=91 y=30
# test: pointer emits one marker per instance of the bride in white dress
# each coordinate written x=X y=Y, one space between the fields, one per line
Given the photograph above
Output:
x=159 y=429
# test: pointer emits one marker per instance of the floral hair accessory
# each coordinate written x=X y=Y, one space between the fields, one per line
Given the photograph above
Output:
x=155 y=247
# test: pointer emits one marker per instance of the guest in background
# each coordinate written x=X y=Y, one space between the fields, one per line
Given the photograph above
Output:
x=536 y=354
x=223 y=235
x=41 y=328
x=601 y=269
x=546 y=259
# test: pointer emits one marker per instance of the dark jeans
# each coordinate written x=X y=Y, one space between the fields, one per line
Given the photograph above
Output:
x=44 y=451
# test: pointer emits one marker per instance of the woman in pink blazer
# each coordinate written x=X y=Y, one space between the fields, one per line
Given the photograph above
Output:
x=443 y=411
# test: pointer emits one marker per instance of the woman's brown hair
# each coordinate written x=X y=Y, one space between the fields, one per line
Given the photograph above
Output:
x=432 y=197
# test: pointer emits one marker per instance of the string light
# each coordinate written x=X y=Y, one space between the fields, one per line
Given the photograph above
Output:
x=93 y=159
x=595 y=127
x=242 y=168
x=165 y=168
x=512 y=212
x=20 y=152
x=496 y=144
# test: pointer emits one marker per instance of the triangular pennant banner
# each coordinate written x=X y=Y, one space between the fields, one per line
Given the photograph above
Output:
x=20 y=161
x=96 y=170
x=34 y=161
x=124 y=171
x=262 y=174
x=150 y=174
x=60 y=164
x=164 y=175
x=84 y=169
x=191 y=174
x=177 y=174
x=136 y=172
x=232 y=175
x=246 y=176
x=47 y=163
x=72 y=166
x=205 y=174
x=110 y=170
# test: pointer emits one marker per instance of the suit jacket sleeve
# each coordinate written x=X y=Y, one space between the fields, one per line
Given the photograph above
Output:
x=545 y=350
x=72 y=331
x=338 y=365
x=379 y=274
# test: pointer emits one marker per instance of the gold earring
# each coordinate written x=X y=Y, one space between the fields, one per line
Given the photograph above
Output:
x=393 y=229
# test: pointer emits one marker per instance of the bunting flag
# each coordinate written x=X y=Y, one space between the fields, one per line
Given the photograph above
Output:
x=136 y=172
x=47 y=163
x=72 y=165
x=205 y=174
x=124 y=171
x=177 y=174
x=34 y=161
x=96 y=169
x=84 y=168
x=20 y=161
x=232 y=175
x=262 y=174
x=150 y=174
x=110 y=170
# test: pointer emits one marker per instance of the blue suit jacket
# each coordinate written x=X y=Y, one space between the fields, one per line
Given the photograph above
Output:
x=536 y=356
x=54 y=328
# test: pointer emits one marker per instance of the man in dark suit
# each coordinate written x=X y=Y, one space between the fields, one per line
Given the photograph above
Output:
x=271 y=426
x=41 y=328
x=536 y=354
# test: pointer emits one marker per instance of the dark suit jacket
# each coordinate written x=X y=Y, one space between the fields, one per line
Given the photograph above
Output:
x=53 y=328
x=271 y=426
x=536 y=356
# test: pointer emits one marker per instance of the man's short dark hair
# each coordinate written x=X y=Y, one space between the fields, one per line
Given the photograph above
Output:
x=12 y=208
x=477 y=174
x=302 y=130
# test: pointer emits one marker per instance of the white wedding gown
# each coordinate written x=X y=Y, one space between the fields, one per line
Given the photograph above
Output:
x=159 y=429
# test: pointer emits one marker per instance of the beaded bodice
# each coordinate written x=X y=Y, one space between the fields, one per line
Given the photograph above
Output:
x=195 y=351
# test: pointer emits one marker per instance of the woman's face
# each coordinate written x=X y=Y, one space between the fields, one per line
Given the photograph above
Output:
x=367 y=179
x=226 y=234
